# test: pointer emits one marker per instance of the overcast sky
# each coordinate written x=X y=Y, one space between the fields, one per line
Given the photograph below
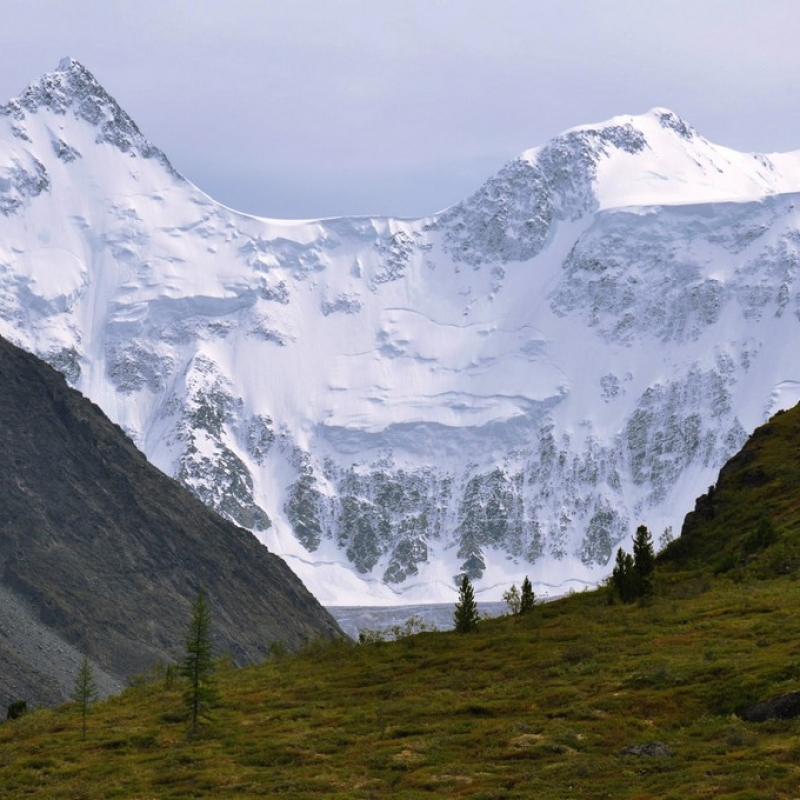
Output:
x=310 y=108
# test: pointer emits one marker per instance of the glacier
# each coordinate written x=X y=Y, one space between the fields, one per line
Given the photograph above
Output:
x=507 y=387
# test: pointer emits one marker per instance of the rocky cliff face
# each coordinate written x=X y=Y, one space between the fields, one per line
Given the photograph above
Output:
x=101 y=554
x=506 y=388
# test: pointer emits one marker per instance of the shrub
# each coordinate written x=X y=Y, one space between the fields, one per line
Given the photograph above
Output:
x=762 y=537
x=513 y=599
x=17 y=709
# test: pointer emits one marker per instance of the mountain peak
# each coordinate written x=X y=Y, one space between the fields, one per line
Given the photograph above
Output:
x=671 y=121
x=68 y=86
x=68 y=63
x=515 y=382
x=72 y=87
x=648 y=122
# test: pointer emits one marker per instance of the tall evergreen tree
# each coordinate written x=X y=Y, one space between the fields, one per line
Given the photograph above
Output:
x=644 y=560
x=527 y=599
x=466 y=613
x=624 y=578
x=84 y=692
x=198 y=664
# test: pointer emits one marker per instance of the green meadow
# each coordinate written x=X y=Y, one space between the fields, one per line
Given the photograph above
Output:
x=548 y=705
x=581 y=697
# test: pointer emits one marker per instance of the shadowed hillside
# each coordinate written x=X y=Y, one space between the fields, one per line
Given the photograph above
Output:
x=102 y=554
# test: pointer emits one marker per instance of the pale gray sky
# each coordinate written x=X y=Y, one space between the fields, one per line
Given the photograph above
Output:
x=307 y=108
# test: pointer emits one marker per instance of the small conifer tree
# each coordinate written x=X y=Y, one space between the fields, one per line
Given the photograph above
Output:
x=665 y=538
x=84 y=692
x=466 y=613
x=632 y=577
x=198 y=665
x=526 y=599
x=624 y=578
x=644 y=560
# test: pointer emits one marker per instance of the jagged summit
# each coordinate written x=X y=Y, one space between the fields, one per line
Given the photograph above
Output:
x=72 y=87
x=69 y=64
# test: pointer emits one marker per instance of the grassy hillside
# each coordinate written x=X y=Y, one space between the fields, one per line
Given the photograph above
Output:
x=747 y=524
x=578 y=699
x=541 y=706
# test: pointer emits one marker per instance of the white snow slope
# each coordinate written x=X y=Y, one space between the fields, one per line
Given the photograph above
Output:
x=508 y=387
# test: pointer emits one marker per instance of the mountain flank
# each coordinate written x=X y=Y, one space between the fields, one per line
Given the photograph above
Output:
x=747 y=523
x=101 y=554
x=692 y=692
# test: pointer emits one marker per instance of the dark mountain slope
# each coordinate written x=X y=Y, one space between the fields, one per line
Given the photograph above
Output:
x=103 y=552
x=749 y=520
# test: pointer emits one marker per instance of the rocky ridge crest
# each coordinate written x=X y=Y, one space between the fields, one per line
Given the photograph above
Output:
x=506 y=388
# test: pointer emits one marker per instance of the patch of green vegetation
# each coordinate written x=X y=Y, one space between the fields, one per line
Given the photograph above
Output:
x=576 y=698
x=538 y=705
x=745 y=526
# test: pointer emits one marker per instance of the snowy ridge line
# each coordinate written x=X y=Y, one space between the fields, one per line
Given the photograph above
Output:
x=506 y=388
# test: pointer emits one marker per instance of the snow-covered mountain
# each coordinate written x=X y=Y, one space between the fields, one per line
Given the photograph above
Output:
x=507 y=387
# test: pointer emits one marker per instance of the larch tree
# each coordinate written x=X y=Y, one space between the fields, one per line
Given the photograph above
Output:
x=624 y=579
x=513 y=599
x=84 y=692
x=198 y=665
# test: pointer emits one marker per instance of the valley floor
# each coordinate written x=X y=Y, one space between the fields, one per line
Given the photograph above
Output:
x=414 y=619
